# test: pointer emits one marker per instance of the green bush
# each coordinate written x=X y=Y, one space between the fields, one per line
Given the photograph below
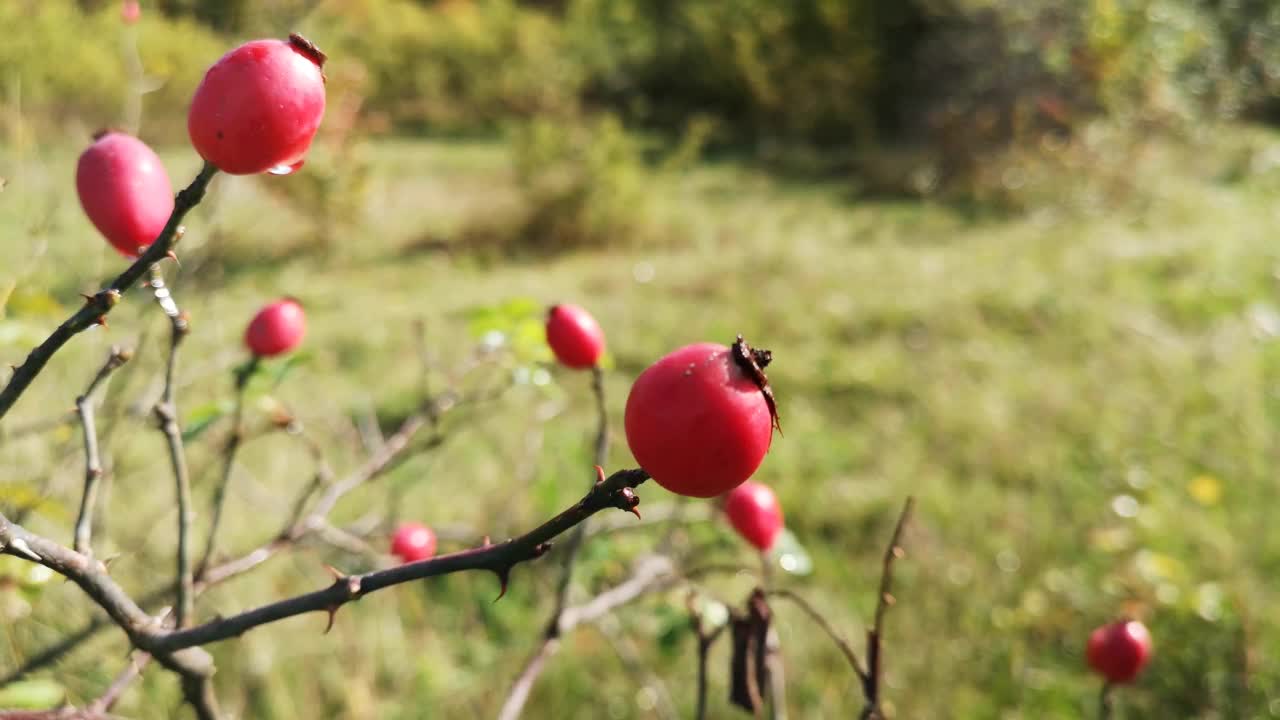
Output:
x=791 y=69
x=452 y=67
x=60 y=65
x=580 y=185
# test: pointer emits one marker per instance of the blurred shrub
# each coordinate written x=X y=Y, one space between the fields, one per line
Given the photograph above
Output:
x=792 y=69
x=1032 y=83
x=581 y=185
x=57 y=64
x=455 y=66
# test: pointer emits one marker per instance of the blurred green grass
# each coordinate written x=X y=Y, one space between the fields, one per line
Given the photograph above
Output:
x=1082 y=402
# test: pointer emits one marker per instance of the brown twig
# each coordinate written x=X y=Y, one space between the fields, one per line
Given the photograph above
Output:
x=875 y=636
x=519 y=692
x=614 y=492
x=92 y=459
x=821 y=621
x=705 y=641
x=97 y=307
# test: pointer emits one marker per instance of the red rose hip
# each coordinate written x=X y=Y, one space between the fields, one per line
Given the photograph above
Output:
x=698 y=421
x=574 y=336
x=1119 y=651
x=125 y=191
x=259 y=106
x=753 y=511
x=413 y=542
x=277 y=328
x=130 y=12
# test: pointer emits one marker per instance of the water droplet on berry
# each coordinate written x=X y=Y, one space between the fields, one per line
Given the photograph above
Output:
x=286 y=169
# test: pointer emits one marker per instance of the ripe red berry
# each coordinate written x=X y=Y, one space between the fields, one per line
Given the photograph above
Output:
x=754 y=512
x=259 y=106
x=130 y=11
x=1120 y=650
x=697 y=422
x=125 y=191
x=574 y=336
x=413 y=542
x=277 y=328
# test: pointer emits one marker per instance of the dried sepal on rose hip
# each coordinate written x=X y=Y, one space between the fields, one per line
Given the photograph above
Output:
x=125 y=191
x=1118 y=651
x=259 y=106
x=412 y=542
x=574 y=336
x=754 y=511
x=699 y=421
x=276 y=329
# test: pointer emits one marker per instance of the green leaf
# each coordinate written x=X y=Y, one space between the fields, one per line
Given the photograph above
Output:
x=203 y=417
x=38 y=694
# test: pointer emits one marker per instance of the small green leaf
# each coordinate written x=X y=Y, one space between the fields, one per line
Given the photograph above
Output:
x=37 y=694
x=203 y=417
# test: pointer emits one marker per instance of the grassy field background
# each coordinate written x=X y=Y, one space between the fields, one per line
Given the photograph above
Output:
x=1082 y=399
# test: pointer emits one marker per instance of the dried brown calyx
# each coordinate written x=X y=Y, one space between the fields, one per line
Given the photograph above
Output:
x=753 y=361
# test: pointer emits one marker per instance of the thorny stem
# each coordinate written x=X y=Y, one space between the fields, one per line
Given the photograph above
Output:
x=242 y=375
x=98 y=306
x=92 y=459
x=616 y=492
x=520 y=689
x=299 y=526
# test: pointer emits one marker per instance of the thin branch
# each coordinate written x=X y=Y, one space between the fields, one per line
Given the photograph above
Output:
x=519 y=693
x=821 y=621
x=652 y=573
x=705 y=641
x=1105 y=705
x=615 y=492
x=92 y=459
x=108 y=699
x=97 y=307
x=777 y=675
x=875 y=636
x=55 y=652
x=167 y=414
x=242 y=377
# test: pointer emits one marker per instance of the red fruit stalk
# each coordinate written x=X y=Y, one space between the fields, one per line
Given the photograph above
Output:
x=276 y=329
x=259 y=107
x=754 y=511
x=1120 y=650
x=413 y=542
x=699 y=421
x=125 y=191
x=574 y=336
